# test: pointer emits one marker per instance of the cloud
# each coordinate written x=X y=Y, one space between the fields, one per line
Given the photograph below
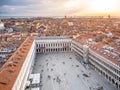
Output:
x=31 y=7
x=44 y=7
x=15 y=2
x=77 y=7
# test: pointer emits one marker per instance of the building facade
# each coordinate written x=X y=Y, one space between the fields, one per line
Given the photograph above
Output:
x=26 y=69
x=103 y=66
x=53 y=44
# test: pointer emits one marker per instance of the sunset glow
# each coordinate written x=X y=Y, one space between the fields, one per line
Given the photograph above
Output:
x=60 y=8
x=104 y=6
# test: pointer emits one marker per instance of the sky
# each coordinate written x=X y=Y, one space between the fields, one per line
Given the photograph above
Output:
x=59 y=7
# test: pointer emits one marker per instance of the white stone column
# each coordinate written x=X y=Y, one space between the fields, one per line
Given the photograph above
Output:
x=45 y=47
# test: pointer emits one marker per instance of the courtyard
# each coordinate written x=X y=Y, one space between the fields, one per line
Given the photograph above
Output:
x=63 y=71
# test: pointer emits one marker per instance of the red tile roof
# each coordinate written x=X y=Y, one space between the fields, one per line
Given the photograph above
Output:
x=9 y=73
x=99 y=46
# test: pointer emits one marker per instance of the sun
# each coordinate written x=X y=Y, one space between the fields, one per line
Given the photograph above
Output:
x=92 y=7
x=104 y=6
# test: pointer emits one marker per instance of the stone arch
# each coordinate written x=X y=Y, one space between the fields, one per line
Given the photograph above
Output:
x=106 y=76
x=37 y=50
x=116 y=85
x=101 y=72
x=109 y=78
x=113 y=81
x=51 y=50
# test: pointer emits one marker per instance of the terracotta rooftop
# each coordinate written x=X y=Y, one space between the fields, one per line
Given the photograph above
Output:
x=11 y=69
x=106 y=54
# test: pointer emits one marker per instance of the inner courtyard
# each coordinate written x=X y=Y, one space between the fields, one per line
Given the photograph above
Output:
x=64 y=71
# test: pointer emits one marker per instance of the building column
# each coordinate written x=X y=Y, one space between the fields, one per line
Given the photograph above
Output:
x=57 y=47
